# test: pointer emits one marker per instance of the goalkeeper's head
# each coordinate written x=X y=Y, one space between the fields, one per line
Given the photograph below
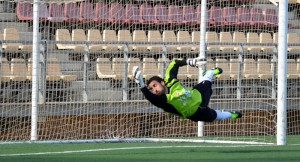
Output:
x=157 y=85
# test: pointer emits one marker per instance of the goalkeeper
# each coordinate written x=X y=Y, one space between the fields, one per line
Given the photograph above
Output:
x=191 y=103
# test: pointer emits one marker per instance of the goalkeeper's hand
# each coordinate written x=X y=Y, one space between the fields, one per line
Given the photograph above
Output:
x=137 y=76
x=196 y=62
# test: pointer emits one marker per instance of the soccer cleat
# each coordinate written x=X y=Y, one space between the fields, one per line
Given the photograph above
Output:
x=215 y=70
x=236 y=114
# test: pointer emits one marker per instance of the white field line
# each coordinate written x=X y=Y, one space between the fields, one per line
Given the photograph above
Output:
x=113 y=149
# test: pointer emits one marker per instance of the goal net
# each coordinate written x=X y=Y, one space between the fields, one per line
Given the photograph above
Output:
x=88 y=48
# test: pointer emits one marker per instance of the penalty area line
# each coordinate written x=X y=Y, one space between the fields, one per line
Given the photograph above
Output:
x=114 y=149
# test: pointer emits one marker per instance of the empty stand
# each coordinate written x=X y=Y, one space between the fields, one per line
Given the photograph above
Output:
x=147 y=13
x=104 y=68
x=24 y=11
x=13 y=34
x=250 y=69
x=139 y=36
x=79 y=36
x=216 y=16
x=154 y=36
x=169 y=37
x=266 y=38
x=184 y=37
x=252 y=38
x=71 y=12
x=293 y=38
x=235 y=68
x=271 y=18
x=116 y=12
x=243 y=16
x=18 y=70
x=56 y=12
x=198 y=14
x=257 y=17
x=5 y=70
x=102 y=12
x=230 y=15
x=44 y=12
x=189 y=16
x=238 y=37
x=54 y=73
x=118 y=68
x=132 y=13
x=150 y=68
x=124 y=36
x=161 y=14
x=64 y=35
x=212 y=37
x=110 y=36
x=175 y=14
x=264 y=69
x=94 y=35
x=292 y=72
x=225 y=65
x=195 y=39
x=226 y=37
x=87 y=12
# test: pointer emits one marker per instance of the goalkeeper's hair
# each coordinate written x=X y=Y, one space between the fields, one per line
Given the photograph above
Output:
x=156 y=78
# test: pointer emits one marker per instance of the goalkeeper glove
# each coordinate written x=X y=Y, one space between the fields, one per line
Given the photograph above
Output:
x=137 y=76
x=196 y=62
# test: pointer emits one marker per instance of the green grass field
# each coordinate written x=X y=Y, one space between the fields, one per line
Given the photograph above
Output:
x=128 y=152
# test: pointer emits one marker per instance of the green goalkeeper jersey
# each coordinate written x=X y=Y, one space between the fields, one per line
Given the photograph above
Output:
x=179 y=100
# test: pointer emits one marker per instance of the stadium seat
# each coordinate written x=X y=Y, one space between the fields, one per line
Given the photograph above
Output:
x=18 y=70
x=224 y=64
x=226 y=37
x=252 y=38
x=150 y=68
x=198 y=14
x=94 y=35
x=71 y=12
x=124 y=36
x=54 y=73
x=216 y=16
x=139 y=36
x=230 y=15
x=44 y=12
x=110 y=36
x=5 y=70
x=24 y=11
x=102 y=12
x=234 y=68
x=161 y=14
x=64 y=35
x=250 y=69
x=184 y=36
x=154 y=36
x=118 y=68
x=292 y=72
x=56 y=12
x=293 y=38
x=195 y=39
x=104 y=69
x=212 y=37
x=239 y=37
x=116 y=13
x=243 y=16
x=266 y=38
x=147 y=13
x=13 y=34
x=132 y=13
x=87 y=12
x=78 y=35
x=189 y=16
x=175 y=14
x=270 y=17
x=169 y=37
x=131 y=63
x=257 y=17
x=264 y=69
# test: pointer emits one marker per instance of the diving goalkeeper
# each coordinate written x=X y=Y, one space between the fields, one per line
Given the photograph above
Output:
x=191 y=103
